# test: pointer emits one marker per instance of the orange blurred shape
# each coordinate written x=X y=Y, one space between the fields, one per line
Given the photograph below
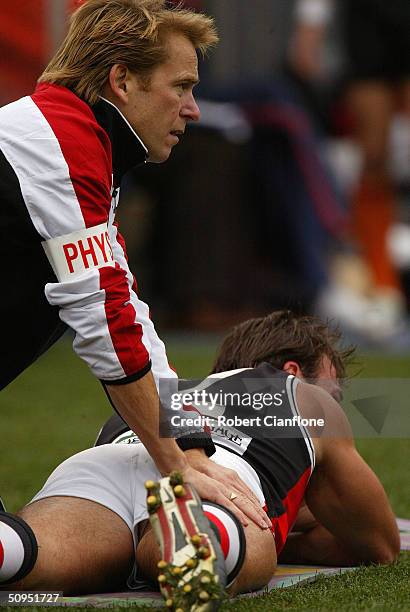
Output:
x=23 y=45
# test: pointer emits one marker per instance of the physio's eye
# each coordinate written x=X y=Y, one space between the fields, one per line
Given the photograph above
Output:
x=184 y=86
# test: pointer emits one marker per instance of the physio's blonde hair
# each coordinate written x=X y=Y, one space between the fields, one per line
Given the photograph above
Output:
x=130 y=32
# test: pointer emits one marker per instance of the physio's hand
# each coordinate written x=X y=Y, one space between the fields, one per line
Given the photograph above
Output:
x=216 y=483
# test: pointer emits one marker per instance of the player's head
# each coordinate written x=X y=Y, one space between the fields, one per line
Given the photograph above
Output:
x=302 y=345
x=142 y=56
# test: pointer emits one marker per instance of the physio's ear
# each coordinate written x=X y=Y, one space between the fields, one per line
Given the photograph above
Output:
x=292 y=367
x=117 y=82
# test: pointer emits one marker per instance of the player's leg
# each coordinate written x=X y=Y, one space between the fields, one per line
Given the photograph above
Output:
x=83 y=519
x=253 y=569
x=249 y=553
x=371 y=104
x=83 y=547
x=192 y=567
x=18 y=548
x=257 y=568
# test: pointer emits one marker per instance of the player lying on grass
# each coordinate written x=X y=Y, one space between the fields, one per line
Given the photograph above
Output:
x=90 y=518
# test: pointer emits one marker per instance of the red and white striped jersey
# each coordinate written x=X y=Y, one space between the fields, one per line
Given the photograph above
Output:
x=61 y=163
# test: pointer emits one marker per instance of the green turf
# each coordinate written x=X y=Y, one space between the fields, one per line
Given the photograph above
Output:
x=56 y=407
x=376 y=588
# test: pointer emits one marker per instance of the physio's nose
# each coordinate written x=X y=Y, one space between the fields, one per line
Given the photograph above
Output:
x=190 y=109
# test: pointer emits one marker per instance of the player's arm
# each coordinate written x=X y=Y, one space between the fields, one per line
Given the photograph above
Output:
x=356 y=522
x=305 y=521
x=138 y=404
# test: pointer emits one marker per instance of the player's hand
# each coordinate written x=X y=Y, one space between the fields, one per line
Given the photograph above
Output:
x=217 y=483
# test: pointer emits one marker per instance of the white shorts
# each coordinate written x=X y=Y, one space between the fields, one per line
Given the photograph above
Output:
x=113 y=475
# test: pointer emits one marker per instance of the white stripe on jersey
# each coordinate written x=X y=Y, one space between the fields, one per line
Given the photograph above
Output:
x=32 y=149
x=30 y=146
x=291 y=384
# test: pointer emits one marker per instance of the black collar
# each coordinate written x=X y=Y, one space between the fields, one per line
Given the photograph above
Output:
x=128 y=150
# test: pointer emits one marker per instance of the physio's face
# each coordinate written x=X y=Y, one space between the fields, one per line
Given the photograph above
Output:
x=160 y=111
x=326 y=378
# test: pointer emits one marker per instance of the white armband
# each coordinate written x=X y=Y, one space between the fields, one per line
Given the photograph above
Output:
x=74 y=254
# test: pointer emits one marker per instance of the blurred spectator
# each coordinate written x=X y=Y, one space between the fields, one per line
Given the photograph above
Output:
x=296 y=208
x=261 y=197
x=376 y=41
x=29 y=33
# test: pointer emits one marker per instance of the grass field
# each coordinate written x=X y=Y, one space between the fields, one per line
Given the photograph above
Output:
x=55 y=409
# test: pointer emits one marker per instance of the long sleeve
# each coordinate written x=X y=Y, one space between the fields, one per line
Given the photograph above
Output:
x=63 y=161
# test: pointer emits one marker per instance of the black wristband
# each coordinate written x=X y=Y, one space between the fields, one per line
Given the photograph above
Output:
x=198 y=440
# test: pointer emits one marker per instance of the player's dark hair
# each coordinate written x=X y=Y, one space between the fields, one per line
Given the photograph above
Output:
x=280 y=337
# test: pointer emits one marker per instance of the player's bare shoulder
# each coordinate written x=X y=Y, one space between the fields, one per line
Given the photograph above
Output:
x=327 y=420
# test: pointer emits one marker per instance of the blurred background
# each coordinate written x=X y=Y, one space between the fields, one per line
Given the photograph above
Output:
x=294 y=189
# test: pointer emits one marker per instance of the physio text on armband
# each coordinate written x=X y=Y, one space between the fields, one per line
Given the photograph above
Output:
x=74 y=254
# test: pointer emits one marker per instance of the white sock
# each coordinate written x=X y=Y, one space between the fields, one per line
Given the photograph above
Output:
x=231 y=537
x=18 y=548
x=11 y=552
